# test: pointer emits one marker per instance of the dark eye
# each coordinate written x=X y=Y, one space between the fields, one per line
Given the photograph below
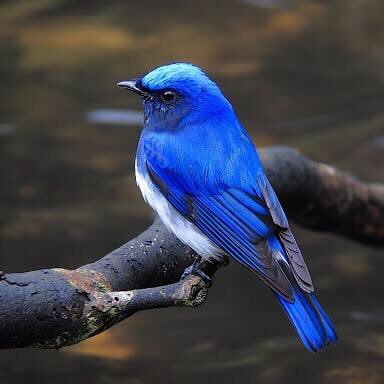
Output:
x=168 y=96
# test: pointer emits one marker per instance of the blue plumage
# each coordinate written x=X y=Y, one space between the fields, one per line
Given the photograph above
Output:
x=197 y=167
x=306 y=314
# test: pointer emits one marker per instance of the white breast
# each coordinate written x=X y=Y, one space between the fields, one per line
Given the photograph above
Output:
x=187 y=232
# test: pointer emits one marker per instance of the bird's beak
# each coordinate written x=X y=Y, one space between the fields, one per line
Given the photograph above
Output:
x=131 y=85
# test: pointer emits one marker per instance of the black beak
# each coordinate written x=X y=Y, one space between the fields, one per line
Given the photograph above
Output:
x=132 y=85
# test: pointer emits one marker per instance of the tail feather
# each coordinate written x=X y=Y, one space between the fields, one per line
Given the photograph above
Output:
x=330 y=329
x=309 y=319
x=305 y=312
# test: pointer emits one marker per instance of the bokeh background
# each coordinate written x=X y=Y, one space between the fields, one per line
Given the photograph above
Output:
x=307 y=74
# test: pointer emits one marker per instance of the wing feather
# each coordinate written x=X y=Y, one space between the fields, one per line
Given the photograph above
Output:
x=237 y=229
x=300 y=270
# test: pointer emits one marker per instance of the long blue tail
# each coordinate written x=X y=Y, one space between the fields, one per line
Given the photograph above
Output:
x=305 y=313
x=309 y=319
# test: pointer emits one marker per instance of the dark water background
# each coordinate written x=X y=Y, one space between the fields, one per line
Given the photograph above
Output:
x=307 y=74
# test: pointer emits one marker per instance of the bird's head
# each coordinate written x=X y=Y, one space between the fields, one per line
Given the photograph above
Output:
x=177 y=94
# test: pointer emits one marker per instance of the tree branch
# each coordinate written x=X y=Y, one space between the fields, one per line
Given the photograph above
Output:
x=53 y=308
x=320 y=197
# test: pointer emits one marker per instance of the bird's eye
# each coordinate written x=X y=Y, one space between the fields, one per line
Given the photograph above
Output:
x=168 y=96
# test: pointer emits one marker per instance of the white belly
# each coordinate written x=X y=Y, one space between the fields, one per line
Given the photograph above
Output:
x=187 y=232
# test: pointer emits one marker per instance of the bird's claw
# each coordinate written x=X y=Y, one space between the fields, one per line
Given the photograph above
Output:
x=195 y=270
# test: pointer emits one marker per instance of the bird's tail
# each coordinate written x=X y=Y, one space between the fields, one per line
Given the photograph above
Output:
x=306 y=314
x=309 y=319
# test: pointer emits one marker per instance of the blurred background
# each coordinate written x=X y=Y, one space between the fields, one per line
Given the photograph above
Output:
x=307 y=74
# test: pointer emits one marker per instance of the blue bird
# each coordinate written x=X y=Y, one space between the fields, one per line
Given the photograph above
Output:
x=197 y=167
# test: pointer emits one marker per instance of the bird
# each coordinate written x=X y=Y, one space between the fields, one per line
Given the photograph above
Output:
x=198 y=168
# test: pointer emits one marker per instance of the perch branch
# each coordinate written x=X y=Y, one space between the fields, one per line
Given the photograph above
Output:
x=53 y=308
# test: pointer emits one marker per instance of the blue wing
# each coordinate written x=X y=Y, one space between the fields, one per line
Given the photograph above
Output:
x=285 y=236
x=241 y=223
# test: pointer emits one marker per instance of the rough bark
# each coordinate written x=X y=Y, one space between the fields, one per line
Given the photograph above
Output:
x=53 y=308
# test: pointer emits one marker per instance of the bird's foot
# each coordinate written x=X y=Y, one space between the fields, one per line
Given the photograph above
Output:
x=195 y=269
